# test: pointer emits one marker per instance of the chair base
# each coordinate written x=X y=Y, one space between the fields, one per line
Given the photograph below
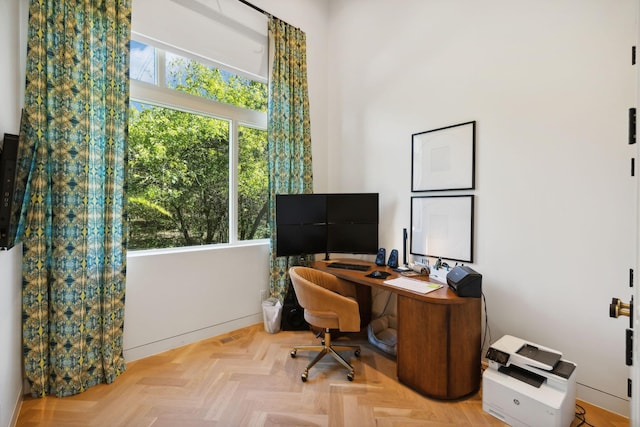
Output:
x=325 y=349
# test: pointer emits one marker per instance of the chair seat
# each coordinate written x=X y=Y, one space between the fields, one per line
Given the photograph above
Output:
x=322 y=319
x=326 y=319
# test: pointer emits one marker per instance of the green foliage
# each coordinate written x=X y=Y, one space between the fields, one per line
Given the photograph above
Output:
x=253 y=185
x=179 y=166
x=212 y=83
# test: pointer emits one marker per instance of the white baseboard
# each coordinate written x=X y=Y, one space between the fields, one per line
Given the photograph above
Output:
x=604 y=400
x=170 y=343
x=16 y=410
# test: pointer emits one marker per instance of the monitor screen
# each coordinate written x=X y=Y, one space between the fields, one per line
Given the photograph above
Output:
x=355 y=208
x=315 y=223
x=293 y=240
x=352 y=238
x=301 y=208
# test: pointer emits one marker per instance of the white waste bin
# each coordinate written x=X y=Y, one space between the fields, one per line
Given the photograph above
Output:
x=272 y=315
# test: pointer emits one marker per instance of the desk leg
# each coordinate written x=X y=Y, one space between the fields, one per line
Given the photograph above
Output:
x=363 y=295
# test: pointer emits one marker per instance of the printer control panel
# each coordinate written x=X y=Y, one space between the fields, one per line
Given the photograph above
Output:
x=497 y=356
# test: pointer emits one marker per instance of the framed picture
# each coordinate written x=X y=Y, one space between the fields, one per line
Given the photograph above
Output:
x=442 y=227
x=444 y=158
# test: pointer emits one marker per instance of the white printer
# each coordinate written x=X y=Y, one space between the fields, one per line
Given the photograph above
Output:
x=528 y=385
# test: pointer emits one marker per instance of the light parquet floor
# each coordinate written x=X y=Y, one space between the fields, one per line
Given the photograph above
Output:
x=247 y=378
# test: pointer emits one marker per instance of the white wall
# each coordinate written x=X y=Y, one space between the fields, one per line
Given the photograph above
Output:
x=549 y=84
x=176 y=298
x=10 y=335
x=10 y=267
x=11 y=78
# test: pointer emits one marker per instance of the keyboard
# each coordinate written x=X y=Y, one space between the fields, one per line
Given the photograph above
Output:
x=346 y=266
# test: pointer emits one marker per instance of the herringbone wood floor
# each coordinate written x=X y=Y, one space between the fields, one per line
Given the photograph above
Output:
x=247 y=378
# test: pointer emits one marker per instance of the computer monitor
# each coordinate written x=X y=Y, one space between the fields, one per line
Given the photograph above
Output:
x=353 y=223
x=298 y=209
x=352 y=238
x=352 y=208
x=330 y=223
x=301 y=239
x=300 y=224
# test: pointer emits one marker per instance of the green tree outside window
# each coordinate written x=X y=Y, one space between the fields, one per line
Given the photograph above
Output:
x=179 y=184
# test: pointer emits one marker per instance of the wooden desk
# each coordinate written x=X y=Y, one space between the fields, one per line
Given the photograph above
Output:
x=439 y=334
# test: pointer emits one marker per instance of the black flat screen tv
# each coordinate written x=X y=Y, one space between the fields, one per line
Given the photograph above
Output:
x=8 y=161
x=326 y=223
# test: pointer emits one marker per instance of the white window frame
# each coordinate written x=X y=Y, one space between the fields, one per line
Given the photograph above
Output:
x=160 y=95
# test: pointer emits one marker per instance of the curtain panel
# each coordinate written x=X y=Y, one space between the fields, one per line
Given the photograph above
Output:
x=71 y=181
x=288 y=132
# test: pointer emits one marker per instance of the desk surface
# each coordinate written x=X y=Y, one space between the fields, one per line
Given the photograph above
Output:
x=443 y=295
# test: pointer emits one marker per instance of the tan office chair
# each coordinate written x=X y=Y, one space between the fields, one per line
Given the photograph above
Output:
x=329 y=303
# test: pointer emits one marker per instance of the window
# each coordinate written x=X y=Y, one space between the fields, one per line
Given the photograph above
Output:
x=197 y=152
x=143 y=62
x=253 y=184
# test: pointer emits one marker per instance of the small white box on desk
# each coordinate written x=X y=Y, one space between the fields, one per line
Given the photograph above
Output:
x=528 y=385
x=439 y=275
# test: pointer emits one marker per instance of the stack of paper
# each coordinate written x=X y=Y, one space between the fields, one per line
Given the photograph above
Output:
x=413 y=285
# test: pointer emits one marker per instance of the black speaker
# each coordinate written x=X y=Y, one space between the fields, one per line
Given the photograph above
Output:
x=8 y=159
x=393 y=259
x=382 y=254
x=292 y=313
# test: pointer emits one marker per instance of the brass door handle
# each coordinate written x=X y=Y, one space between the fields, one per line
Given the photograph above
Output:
x=618 y=308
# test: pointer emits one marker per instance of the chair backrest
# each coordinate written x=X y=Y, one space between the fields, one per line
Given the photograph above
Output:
x=328 y=302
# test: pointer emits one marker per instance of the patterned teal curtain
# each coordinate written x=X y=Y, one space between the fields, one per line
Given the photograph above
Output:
x=288 y=132
x=71 y=178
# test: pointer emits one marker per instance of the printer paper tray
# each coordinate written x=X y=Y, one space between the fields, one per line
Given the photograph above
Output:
x=523 y=375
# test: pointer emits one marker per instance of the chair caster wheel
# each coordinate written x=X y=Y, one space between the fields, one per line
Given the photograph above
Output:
x=303 y=377
x=350 y=376
x=293 y=353
x=357 y=353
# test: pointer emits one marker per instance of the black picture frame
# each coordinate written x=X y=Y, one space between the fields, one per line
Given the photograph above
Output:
x=444 y=158
x=442 y=227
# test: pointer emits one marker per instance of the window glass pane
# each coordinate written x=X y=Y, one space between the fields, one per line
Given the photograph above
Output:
x=143 y=62
x=213 y=83
x=253 y=182
x=179 y=184
x=178 y=178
